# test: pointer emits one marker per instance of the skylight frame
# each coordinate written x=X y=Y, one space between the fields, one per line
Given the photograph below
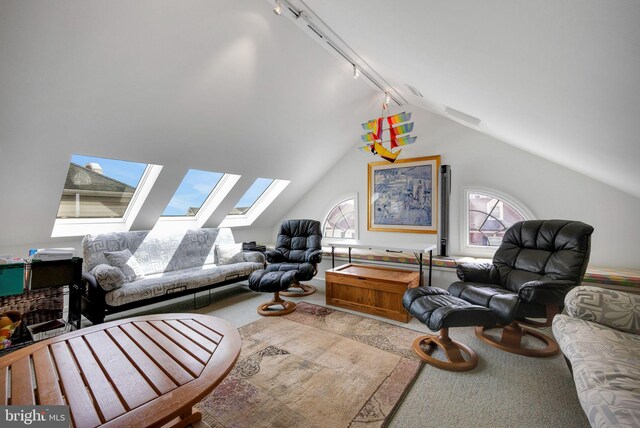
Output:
x=215 y=198
x=213 y=189
x=258 y=207
x=65 y=227
x=267 y=181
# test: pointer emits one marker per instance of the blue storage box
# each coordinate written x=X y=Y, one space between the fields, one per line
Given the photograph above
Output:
x=11 y=279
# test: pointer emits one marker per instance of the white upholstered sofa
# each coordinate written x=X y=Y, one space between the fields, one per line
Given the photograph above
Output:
x=600 y=338
x=125 y=270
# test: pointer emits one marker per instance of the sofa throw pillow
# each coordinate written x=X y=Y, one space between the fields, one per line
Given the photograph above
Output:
x=126 y=262
x=108 y=277
x=254 y=257
x=227 y=254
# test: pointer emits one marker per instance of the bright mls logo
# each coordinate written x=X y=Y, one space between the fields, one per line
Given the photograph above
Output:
x=35 y=416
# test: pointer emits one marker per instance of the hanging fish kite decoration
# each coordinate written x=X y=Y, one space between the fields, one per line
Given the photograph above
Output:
x=396 y=127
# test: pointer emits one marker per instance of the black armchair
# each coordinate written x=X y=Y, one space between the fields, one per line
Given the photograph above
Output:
x=298 y=247
x=536 y=265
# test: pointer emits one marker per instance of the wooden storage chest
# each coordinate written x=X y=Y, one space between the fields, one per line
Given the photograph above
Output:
x=374 y=290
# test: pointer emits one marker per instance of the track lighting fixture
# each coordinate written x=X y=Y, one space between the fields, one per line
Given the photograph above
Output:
x=278 y=9
x=311 y=24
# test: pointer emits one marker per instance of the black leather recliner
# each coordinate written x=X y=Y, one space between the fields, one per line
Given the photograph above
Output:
x=298 y=247
x=536 y=265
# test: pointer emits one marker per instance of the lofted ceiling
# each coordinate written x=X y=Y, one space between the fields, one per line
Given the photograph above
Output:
x=231 y=87
x=559 y=79
x=211 y=85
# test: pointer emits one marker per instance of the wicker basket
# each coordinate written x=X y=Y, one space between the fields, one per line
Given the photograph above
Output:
x=36 y=306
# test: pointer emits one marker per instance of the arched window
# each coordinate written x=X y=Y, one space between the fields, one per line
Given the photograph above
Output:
x=341 y=221
x=488 y=215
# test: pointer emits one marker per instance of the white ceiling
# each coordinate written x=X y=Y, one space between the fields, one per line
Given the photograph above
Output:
x=560 y=79
x=231 y=87
x=211 y=85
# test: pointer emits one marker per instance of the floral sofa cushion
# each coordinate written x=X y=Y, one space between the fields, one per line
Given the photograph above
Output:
x=604 y=360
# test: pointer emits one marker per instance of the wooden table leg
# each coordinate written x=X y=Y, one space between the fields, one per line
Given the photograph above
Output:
x=186 y=419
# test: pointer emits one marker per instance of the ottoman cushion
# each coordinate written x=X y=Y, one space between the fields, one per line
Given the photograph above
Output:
x=305 y=271
x=438 y=309
x=270 y=282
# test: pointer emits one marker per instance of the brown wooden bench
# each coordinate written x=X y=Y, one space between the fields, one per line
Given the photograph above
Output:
x=143 y=371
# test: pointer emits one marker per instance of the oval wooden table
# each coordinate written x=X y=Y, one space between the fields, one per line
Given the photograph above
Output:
x=135 y=372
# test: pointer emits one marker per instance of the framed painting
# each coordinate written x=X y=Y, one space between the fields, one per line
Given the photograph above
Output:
x=403 y=196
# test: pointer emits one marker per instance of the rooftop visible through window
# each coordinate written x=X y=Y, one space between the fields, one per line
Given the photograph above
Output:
x=99 y=187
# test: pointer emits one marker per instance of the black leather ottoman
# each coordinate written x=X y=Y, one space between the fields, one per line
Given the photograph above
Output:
x=439 y=310
x=273 y=282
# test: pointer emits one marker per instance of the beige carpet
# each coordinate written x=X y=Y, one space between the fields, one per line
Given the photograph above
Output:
x=505 y=390
x=316 y=367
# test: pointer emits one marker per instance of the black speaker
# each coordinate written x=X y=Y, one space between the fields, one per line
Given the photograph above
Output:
x=445 y=197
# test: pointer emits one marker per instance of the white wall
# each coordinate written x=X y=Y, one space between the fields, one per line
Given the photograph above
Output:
x=219 y=87
x=477 y=160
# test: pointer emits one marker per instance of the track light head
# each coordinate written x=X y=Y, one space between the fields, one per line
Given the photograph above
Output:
x=356 y=71
x=278 y=8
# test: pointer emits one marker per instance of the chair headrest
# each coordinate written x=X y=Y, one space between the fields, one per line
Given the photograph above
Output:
x=303 y=227
x=543 y=249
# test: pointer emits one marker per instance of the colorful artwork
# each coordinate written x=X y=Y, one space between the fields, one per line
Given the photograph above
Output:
x=396 y=127
x=403 y=196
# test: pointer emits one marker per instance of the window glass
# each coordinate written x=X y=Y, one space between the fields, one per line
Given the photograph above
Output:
x=489 y=217
x=195 y=188
x=340 y=222
x=251 y=196
x=99 y=187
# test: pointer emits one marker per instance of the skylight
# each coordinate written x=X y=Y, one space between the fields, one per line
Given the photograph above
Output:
x=195 y=188
x=99 y=187
x=250 y=197
x=255 y=200
x=102 y=195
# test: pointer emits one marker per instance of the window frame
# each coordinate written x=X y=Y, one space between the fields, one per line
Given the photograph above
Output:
x=215 y=198
x=211 y=192
x=262 y=203
x=65 y=227
x=356 y=215
x=476 y=250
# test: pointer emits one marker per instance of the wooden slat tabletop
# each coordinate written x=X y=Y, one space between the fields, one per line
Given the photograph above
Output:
x=142 y=371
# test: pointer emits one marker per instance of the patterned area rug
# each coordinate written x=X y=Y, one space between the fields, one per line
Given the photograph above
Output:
x=316 y=367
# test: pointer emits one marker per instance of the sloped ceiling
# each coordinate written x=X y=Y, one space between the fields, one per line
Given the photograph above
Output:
x=231 y=87
x=211 y=85
x=559 y=79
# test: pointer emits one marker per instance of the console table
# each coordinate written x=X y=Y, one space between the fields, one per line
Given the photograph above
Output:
x=143 y=371
x=417 y=249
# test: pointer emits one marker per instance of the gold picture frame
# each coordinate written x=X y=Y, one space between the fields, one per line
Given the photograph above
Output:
x=403 y=196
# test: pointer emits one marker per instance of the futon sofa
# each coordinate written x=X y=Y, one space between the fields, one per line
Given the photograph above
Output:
x=125 y=270
x=600 y=338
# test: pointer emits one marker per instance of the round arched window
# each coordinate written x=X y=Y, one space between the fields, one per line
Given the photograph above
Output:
x=489 y=215
x=341 y=220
